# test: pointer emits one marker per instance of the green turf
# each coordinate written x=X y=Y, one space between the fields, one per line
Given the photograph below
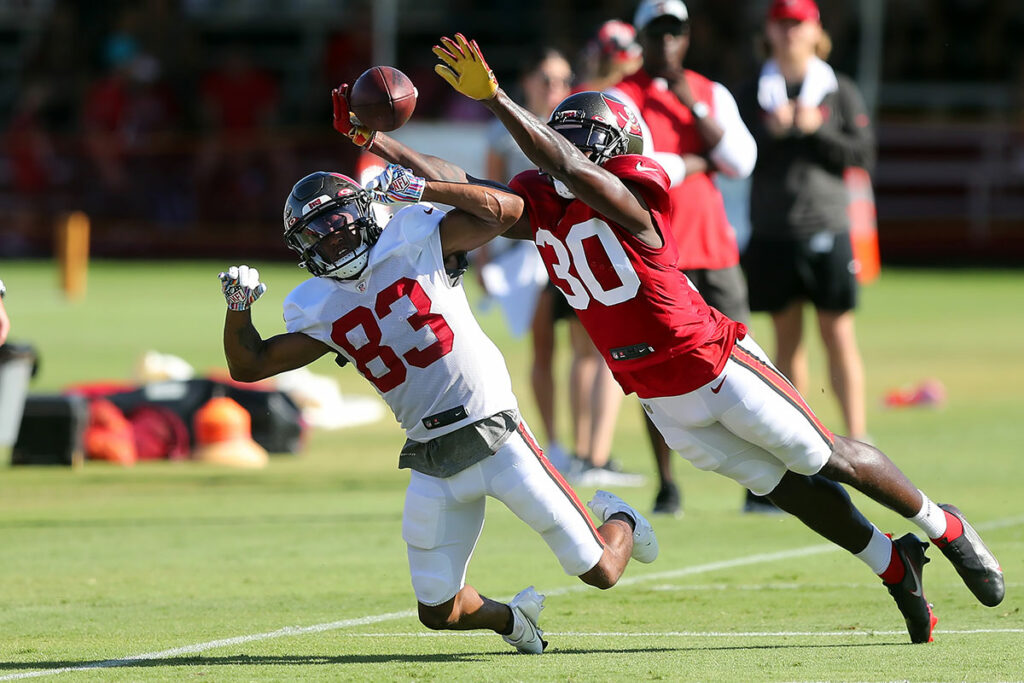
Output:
x=103 y=563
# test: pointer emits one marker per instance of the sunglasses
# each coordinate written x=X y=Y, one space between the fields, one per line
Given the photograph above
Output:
x=552 y=81
x=658 y=30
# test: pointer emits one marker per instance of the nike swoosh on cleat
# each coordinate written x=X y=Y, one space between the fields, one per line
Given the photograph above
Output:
x=715 y=390
x=917 y=583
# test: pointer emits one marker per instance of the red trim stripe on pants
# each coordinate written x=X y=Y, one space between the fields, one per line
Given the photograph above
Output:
x=778 y=382
x=560 y=482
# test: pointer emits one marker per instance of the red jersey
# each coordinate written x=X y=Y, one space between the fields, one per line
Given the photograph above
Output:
x=700 y=225
x=655 y=331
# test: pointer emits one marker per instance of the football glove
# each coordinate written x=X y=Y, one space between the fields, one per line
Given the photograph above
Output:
x=345 y=121
x=396 y=184
x=241 y=286
x=465 y=68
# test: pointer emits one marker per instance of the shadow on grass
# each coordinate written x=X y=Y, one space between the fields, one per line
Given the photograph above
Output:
x=440 y=657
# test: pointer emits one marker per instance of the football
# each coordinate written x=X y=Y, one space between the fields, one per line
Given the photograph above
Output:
x=383 y=98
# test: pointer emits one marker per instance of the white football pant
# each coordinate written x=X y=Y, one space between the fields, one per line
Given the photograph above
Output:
x=443 y=518
x=749 y=423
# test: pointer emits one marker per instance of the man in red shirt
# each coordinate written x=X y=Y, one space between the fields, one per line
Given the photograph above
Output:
x=693 y=129
x=598 y=213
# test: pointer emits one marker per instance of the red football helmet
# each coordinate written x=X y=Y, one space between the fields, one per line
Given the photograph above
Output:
x=599 y=125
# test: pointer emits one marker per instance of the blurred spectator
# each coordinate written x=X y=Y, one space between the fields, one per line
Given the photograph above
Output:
x=692 y=127
x=58 y=58
x=611 y=55
x=240 y=103
x=5 y=322
x=237 y=97
x=33 y=168
x=543 y=82
x=129 y=115
x=28 y=143
x=810 y=125
x=594 y=397
x=346 y=55
x=165 y=32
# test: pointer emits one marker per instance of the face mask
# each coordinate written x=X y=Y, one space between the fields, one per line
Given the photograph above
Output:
x=562 y=190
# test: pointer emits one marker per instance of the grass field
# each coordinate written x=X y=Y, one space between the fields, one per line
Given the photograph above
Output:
x=298 y=572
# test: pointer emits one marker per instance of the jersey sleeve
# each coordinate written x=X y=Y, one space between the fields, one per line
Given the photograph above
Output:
x=419 y=224
x=531 y=187
x=301 y=308
x=647 y=174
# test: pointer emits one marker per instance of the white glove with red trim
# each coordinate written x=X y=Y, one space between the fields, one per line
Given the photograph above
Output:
x=396 y=184
x=241 y=286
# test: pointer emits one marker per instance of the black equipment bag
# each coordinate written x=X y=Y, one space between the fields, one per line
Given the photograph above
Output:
x=51 y=431
x=276 y=420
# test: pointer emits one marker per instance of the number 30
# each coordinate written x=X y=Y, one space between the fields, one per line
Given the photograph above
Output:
x=572 y=253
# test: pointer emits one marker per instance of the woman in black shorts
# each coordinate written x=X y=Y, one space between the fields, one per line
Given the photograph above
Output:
x=810 y=125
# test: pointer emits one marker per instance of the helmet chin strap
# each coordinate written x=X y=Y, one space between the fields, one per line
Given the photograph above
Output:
x=351 y=269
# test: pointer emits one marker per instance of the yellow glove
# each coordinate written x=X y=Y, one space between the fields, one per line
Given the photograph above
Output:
x=465 y=68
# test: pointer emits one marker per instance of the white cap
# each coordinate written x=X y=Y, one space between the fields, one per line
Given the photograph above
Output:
x=652 y=9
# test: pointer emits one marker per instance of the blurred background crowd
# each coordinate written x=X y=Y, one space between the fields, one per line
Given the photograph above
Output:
x=177 y=125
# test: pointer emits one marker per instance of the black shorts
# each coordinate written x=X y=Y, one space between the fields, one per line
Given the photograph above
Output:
x=819 y=269
x=724 y=289
x=560 y=308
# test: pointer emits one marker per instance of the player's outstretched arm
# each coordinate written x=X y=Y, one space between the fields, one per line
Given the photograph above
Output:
x=250 y=357
x=388 y=148
x=465 y=69
x=481 y=213
x=482 y=210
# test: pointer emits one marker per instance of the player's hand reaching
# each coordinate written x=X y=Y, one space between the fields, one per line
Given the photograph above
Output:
x=241 y=286
x=465 y=68
x=396 y=184
x=346 y=123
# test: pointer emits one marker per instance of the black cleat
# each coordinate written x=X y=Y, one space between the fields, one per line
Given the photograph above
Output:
x=974 y=562
x=668 y=501
x=909 y=592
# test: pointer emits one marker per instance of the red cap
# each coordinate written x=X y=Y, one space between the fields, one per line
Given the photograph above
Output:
x=801 y=10
x=617 y=39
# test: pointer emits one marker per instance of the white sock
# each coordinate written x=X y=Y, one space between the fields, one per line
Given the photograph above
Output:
x=877 y=553
x=931 y=518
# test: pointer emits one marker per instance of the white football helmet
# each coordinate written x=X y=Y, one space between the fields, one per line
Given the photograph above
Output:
x=329 y=223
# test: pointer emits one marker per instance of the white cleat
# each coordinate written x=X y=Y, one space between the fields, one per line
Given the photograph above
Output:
x=645 y=543
x=526 y=635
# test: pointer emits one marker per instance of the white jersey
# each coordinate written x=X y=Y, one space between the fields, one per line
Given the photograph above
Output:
x=409 y=330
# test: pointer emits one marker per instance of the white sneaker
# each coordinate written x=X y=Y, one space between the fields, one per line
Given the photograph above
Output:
x=559 y=457
x=526 y=635
x=608 y=476
x=645 y=543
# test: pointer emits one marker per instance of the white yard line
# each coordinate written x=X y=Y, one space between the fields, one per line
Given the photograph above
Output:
x=758 y=558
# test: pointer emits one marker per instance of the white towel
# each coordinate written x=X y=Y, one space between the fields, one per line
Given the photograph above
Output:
x=819 y=81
